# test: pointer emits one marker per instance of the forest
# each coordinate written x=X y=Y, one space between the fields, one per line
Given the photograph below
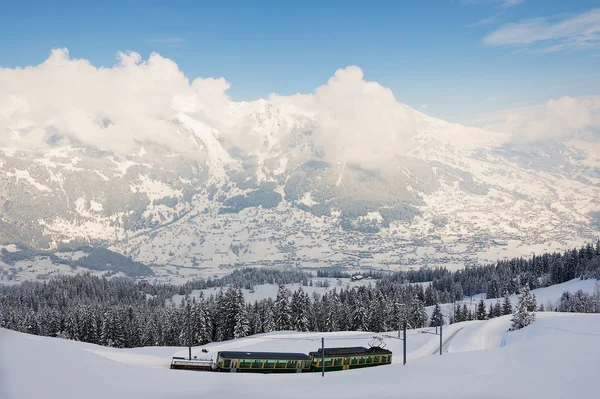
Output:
x=121 y=312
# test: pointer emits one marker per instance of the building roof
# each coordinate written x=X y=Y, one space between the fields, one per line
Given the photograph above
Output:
x=351 y=351
x=264 y=355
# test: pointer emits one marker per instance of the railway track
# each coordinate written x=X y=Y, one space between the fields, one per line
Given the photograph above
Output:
x=446 y=342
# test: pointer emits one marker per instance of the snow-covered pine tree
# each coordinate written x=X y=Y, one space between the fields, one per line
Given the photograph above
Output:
x=466 y=314
x=377 y=313
x=523 y=316
x=506 y=305
x=220 y=316
x=242 y=326
x=301 y=322
x=458 y=315
x=481 y=313
x=268 y=316
x=360 y=318
x=254 y=319
x=497 y=309
x=282 y=311
x=436 y=317
x=418 y=314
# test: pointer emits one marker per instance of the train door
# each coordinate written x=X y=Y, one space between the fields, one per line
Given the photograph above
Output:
x=234 y=364
x=346 y=365
x=299 y=366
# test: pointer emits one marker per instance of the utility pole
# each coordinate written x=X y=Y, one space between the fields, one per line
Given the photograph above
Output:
x=323 y=357
x=189 y=310
x=404 y=343
x=441 y=324
x=454 y=311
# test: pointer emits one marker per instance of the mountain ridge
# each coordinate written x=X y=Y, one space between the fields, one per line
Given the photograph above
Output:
x=330 y=179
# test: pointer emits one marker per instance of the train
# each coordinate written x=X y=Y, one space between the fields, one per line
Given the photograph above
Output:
x=335 y=359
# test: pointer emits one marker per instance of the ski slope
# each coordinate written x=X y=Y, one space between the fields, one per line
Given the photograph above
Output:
x=556 y=357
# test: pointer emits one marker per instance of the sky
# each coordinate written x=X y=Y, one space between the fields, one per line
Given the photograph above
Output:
x=459 y=60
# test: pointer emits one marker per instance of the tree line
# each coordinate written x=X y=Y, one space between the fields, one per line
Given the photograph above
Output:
x=120 y=312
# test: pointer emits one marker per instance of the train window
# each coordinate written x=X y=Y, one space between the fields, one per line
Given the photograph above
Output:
x=292 y=364
x=369 y=359
x=245 y=364
x=328 y=362
x=376 y=359
x=383 y=359
x=354 y=360
x=337 y=361
x=306 y=364
x=227 y=363
x=269 y=364
x=280 y=364
x=361 y=360
x=257 y=364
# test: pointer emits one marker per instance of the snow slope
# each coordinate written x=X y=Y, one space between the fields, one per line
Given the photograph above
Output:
x=534 y=362
x=545 y=296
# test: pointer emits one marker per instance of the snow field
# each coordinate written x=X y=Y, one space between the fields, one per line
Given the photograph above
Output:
x=556 y=357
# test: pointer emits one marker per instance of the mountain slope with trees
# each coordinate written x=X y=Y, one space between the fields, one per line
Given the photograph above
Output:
x=122 y=313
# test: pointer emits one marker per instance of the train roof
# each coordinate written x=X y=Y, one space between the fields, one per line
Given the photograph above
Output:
x=264 y=355
x=351 y=351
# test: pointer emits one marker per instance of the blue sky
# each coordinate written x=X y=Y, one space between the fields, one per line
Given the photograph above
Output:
x=453 y=59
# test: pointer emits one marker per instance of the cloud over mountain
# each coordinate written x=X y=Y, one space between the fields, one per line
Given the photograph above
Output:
x=558 y=119
x=118 y=108
x=114 y=109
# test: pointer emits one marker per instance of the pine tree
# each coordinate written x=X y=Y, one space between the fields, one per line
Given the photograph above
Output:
x=377 y=313
x=481 y=313
x=436 y=317
x=506 y=305
x=497 y=309
x=282 y=311
x=299 y=309
x=458 y=314
x=523 y=315
x=466 y=313
x=418 y=314
x=360 y=319
x=242 y=326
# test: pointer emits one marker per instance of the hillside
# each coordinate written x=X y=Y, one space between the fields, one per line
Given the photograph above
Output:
x=537 y=361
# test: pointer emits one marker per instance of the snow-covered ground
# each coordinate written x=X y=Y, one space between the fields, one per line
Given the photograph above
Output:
x=556 y=357
x=543 y=296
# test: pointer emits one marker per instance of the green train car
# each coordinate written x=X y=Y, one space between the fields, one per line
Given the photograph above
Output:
x=262 y=362
x=283 y=362
x=349 y=358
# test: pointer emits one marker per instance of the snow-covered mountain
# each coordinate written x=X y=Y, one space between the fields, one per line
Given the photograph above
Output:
x=268 y=183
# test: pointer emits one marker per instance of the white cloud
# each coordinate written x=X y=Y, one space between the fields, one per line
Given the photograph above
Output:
x=511 y=3
x=485 y=21
x=73 y=98
x=358 y=121
x=501 y=3
x=558 y=119
x=579 y=31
